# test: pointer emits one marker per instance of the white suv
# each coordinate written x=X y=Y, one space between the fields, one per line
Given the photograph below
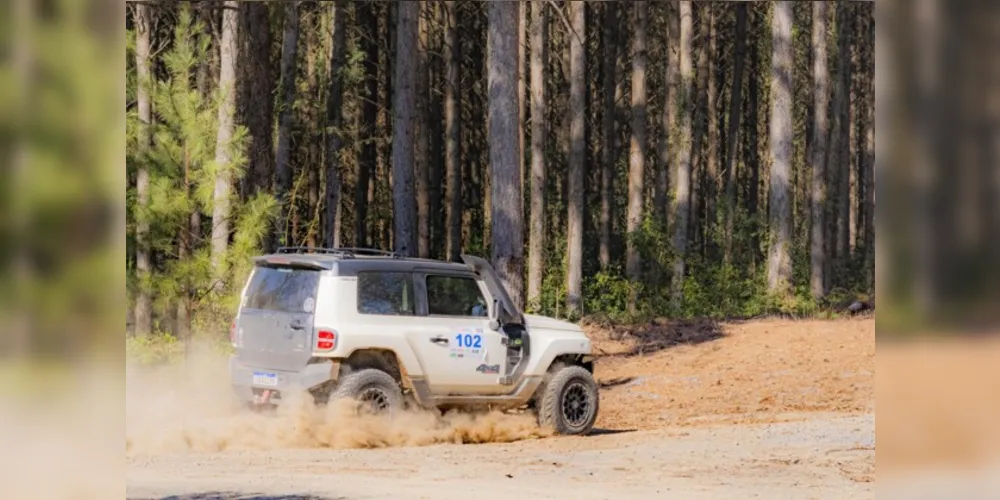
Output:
x=383 y=329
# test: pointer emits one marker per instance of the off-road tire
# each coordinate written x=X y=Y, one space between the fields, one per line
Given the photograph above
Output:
x=375 y=389
x=556 y=409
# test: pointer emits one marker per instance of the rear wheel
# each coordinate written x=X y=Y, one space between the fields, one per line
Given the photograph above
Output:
x=374 y=389
x=570 y=401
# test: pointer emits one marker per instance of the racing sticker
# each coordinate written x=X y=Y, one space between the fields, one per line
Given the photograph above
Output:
x=467 y=343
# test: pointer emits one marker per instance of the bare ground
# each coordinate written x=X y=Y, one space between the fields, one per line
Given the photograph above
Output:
x=762 y=409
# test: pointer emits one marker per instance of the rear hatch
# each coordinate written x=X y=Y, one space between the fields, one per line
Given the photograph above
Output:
x=275 y=323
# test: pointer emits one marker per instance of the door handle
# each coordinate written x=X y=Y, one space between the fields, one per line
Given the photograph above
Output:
x=296 y=325
x=439 y=340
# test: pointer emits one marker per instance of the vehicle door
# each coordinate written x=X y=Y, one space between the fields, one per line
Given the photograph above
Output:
x=471 y=357
x=275 y=322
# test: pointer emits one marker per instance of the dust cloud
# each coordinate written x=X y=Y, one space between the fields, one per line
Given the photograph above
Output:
x=190 y=407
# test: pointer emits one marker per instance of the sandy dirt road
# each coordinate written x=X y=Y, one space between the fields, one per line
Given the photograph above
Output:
x=773 y=409
x=822 y=457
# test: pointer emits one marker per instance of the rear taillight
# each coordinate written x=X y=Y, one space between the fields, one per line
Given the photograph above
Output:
x=232 y=334
x=326 y=340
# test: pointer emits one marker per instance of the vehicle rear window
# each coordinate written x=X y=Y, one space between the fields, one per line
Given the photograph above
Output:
x=389 y=293
x=282 y=289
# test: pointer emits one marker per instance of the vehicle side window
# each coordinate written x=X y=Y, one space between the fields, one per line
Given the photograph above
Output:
x=388 y=293
x=455 y=296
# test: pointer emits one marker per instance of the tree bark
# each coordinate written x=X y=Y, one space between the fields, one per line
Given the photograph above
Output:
x=522 y=42
x=335 y=124
x=369 y=114
x=143 y=301
x=223 y=148
x=286 y=102
x=608 y=126
x=404 y=80
x=682 y=186
x=821 y=92
x=508 y=227
x=421 y=147
x=453 y=149
x=637 y=146
x=539 y=59
x=577 y=157
x=668 y=146
x=838 y=163
x=258 y=100
x=869 y=165
x=779 y=265
x=753 y=145
x=700 y=113
x=732 y=136
x=712 y=165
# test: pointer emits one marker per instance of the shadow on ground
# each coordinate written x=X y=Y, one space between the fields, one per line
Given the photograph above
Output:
x=608 y=432
x=228 y=495
x=661 y=334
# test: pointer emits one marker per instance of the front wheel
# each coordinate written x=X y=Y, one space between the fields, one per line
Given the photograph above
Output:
x=570 y=401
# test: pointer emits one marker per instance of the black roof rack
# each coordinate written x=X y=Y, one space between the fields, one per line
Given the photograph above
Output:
x=348 y=252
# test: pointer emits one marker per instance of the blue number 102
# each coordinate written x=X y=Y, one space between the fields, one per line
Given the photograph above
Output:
x=467 y=340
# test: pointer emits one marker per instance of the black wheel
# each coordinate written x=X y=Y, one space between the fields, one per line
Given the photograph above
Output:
x=570 y=401
x=375 y=389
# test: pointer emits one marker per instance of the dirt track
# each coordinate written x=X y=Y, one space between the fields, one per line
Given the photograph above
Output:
x=764 y=409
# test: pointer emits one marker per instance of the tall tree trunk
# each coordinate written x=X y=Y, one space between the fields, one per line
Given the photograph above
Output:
x=669 y=145
x=869 y=166
x=732 y=135
x=712 y=165
x=404 y=80
x=838 y=163
x=436 y=174
x=779 y=264
x=539 y=59
x=753 y=148
x=821 y=92
x=637 y=145
x=258 y=101
x=453 y=149
x=422 y=160
x=143 y=301
x=700 y=113
x=522 y=42
x=369 y=114
x=577 y=157
x=608 y=126
x=223 y=151
x=508 y=227
x=335 y=125
x=682 y=186
x=286 y=101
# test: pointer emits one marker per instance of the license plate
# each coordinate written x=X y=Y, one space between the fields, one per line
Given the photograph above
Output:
x=265 y=379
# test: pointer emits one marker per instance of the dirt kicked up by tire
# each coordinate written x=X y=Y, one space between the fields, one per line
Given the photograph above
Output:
x=569 y=401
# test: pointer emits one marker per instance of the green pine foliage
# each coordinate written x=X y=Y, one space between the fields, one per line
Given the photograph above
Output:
x=182 y=171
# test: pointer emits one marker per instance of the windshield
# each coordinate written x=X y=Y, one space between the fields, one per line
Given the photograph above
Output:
x=282 y=289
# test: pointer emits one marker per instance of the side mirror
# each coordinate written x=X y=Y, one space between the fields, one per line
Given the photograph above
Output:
x=495 y=315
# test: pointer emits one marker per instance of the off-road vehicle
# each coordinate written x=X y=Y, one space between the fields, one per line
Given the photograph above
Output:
x=387 y=330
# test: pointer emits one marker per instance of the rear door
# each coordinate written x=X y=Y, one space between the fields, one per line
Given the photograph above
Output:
x=275 y=324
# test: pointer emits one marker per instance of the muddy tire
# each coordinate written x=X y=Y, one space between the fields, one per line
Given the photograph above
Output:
x=375 y=389
x=569 y=401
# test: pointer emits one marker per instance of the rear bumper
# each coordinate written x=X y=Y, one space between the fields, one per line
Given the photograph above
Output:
x=241 y=376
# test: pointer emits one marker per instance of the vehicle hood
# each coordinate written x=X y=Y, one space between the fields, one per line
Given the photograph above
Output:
x=535 y=322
